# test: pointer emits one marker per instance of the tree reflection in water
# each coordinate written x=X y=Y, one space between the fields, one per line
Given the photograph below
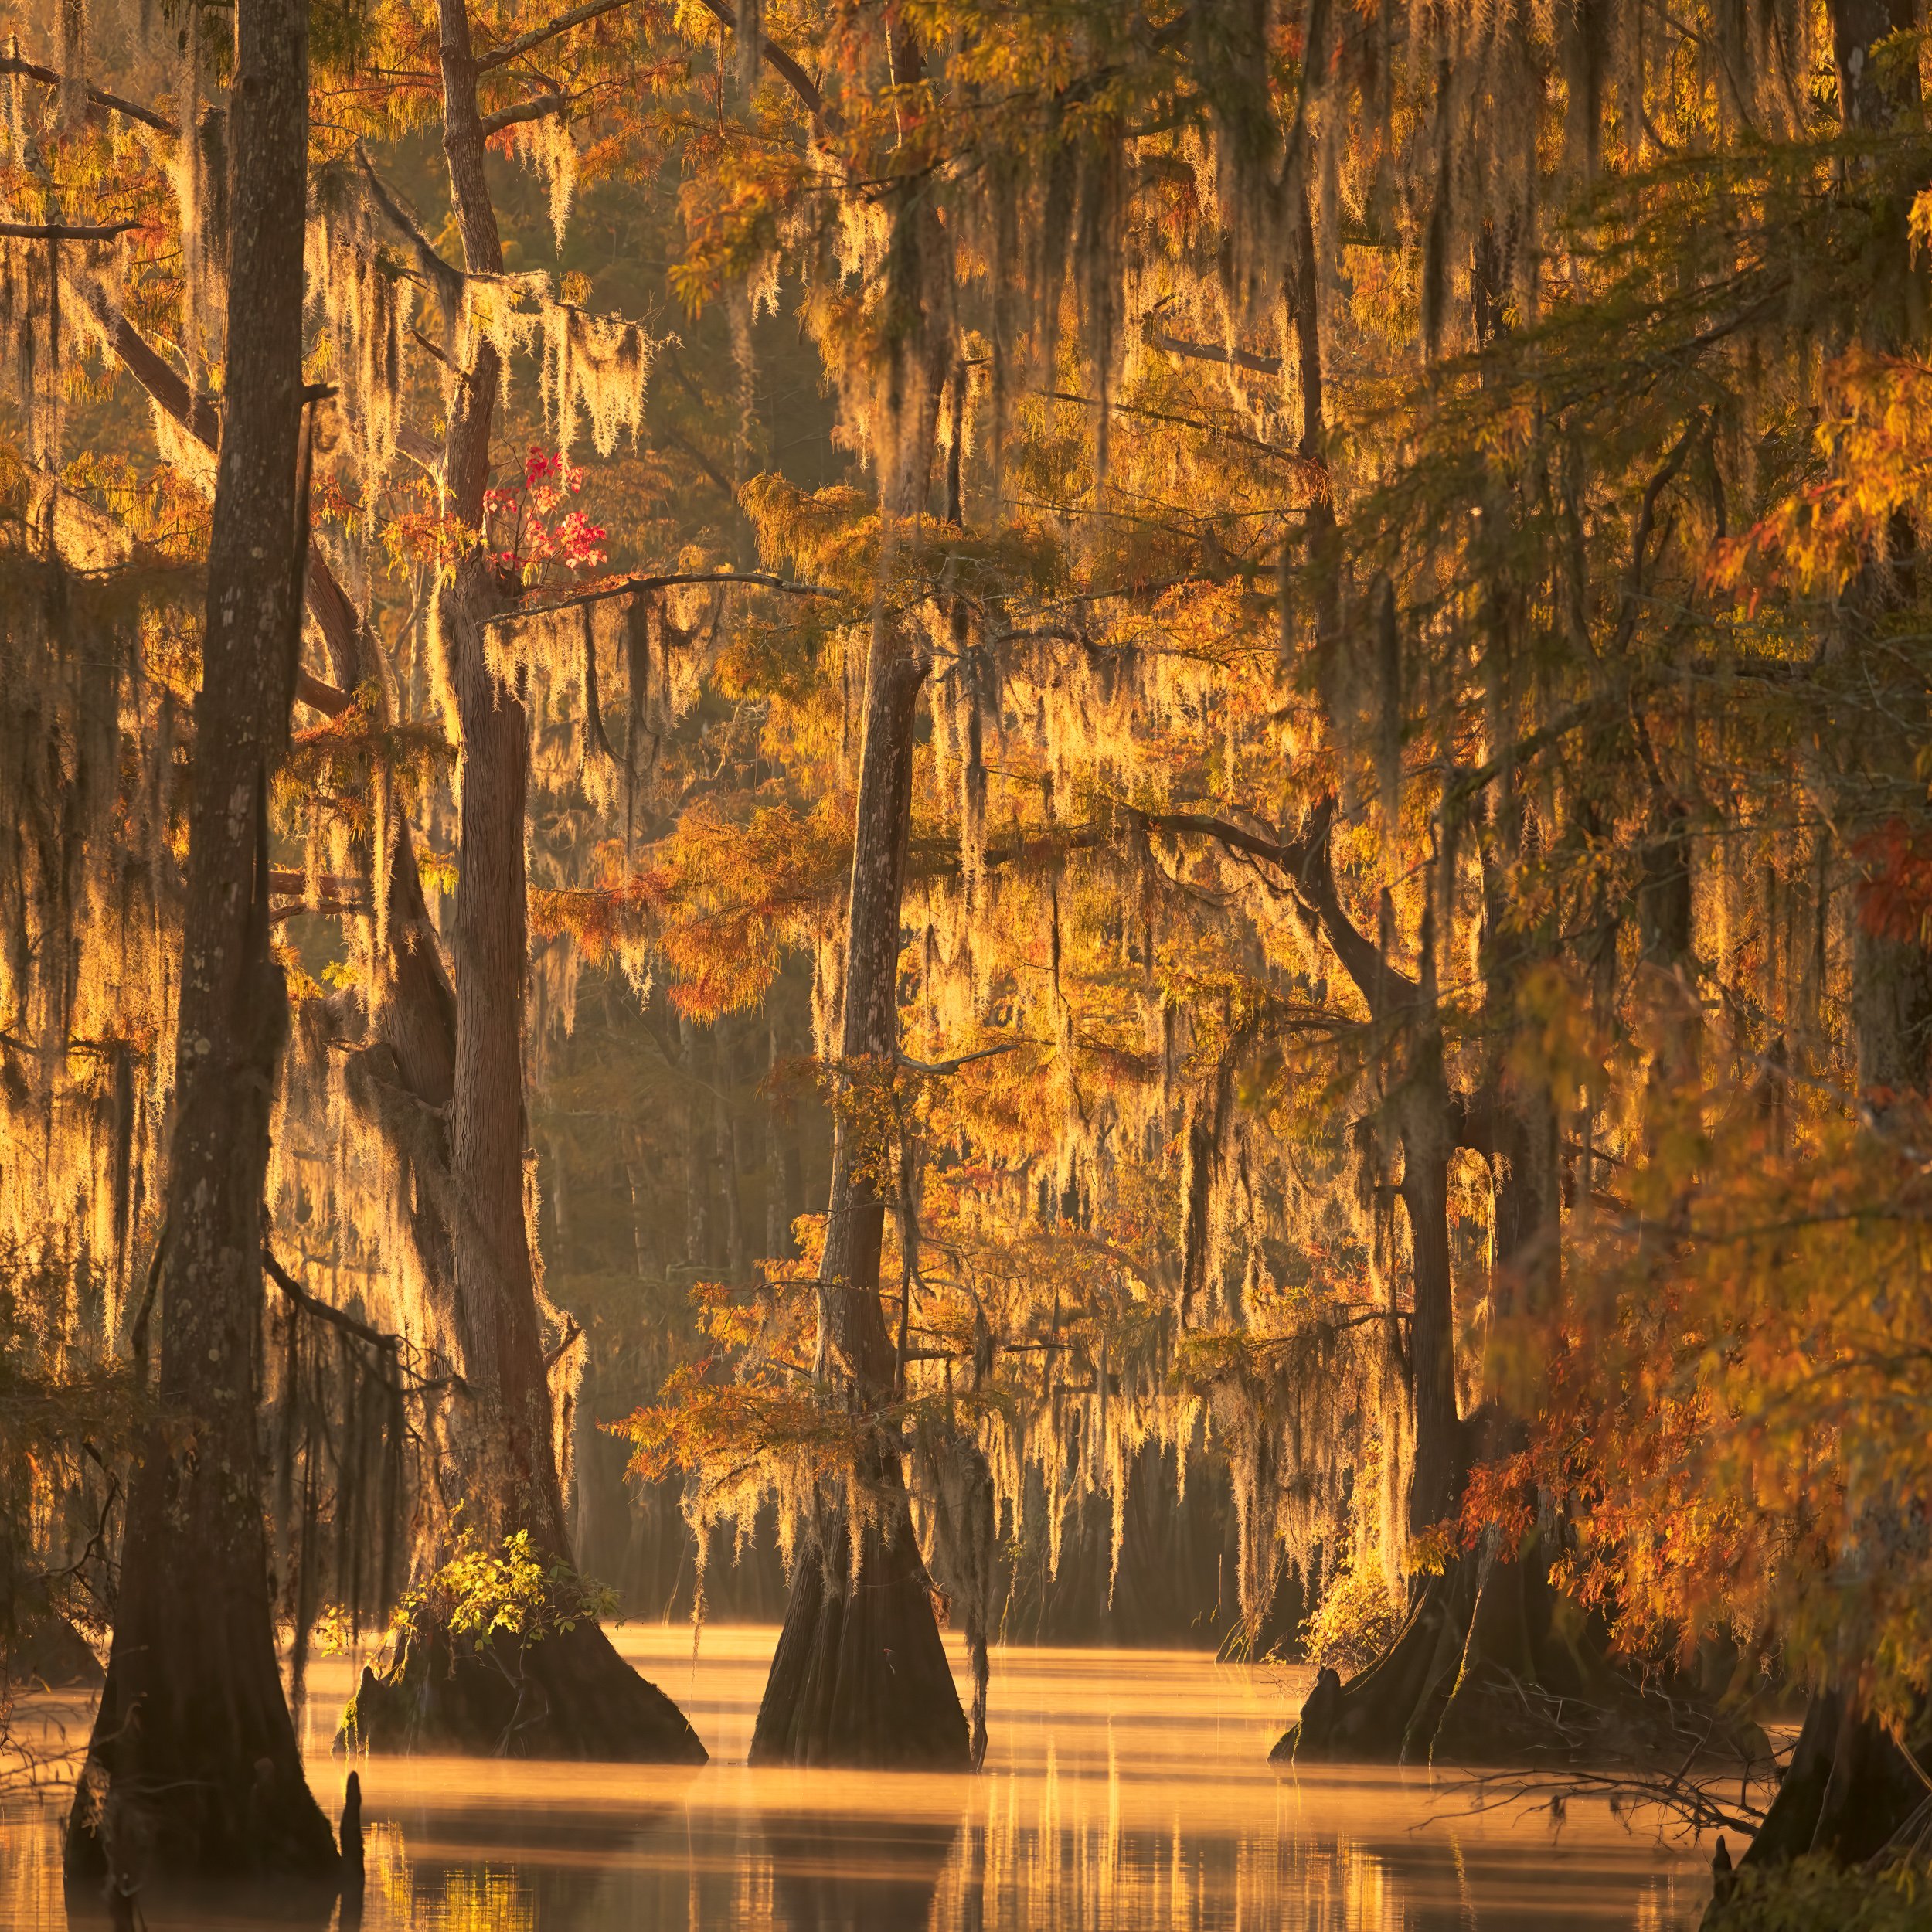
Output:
x=834 y=1872
x=1124 y=1792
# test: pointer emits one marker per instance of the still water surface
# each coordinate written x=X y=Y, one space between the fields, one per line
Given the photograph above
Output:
x=1122 y=1790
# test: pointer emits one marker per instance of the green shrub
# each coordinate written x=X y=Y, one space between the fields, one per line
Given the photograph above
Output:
x=1356 y=1620
x=1815 y=1894
x=506 y=1589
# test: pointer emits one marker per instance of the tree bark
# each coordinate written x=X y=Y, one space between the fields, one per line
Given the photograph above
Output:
x=193 y=1773
x=860 y=1675
x=1436 y=1479
x=576 y=1697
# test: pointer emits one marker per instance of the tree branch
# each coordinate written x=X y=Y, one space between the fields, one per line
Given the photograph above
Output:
x=64 y=231
x=448 y=279
x=534 y=109
x=757 y=580
x=1203 y=352
x=1305 y=860
x=389 y=1345
x=310 y=690
x=314 y=1305
x=515 y=50
x=782 y=63
x=964 y=1059
x=327 y=602
x=108 y=103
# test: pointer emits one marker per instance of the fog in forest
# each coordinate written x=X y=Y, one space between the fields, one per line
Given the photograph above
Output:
x=965 y=966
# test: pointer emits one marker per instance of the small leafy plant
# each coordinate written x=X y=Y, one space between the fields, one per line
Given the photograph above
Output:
x=486 y=1591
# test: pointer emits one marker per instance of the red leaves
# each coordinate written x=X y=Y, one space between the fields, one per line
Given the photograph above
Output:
x=1895 y=896
x=519 y=531
x=1500 y=1496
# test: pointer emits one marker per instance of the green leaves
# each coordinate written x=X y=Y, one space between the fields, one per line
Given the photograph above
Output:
x=506 y=1591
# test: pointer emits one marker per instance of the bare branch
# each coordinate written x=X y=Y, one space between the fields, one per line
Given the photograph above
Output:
x=780 y=63
x=448 y=280
x=391 y=1345
x=1225 y=432
x=964 y=1059
x=514 y=49
x=310 y=690
x=327 y=602
x=315 y=1305
x=1205 y=352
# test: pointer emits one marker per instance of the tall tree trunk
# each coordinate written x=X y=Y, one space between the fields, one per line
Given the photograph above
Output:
x=576 y=1697
x=860 y=1675
x=730 y=1149
x=193 y=1773
x=1849 y=1787
x=1436 y=1478
x=697 y=1166
x=785 y=1174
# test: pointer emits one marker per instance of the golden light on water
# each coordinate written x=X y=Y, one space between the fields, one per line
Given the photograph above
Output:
x=1124 y=1791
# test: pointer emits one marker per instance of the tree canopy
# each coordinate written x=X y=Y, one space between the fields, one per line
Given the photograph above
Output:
x=1167 y=731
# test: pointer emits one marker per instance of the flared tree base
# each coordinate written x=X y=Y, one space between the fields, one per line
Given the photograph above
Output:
x=193 y=1778
x=570 y=1696
x=1847 y=1794
x=170 y=1904
x=860 y=1677
x=49 y=1650
x=1493 y=1666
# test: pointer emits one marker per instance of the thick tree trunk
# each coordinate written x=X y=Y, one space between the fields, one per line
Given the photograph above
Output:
x=1849 y=1787
x=570 y=1695
x=193 y=1774
x=861 y=1676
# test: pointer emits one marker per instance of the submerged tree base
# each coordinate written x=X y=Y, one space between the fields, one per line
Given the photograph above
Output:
x=1851 y=1800
x=50 y=1650
x=291 y=1903
x=569 y=1694
x=860 y=1677
x=1492 y=1665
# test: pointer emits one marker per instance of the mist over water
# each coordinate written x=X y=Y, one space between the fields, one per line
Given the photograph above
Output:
x=1122 y=1789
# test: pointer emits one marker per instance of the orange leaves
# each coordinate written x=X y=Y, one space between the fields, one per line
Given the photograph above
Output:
x=1873 y=466
x=723 y=902
x=1732 y=1414
x=1499 y=1496
x=600 y=918
x=738 y=894
x=698 y=1418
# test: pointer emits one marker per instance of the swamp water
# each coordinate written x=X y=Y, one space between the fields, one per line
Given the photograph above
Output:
x=1122 y=1789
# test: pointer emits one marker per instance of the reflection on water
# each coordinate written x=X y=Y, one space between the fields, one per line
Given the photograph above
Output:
x=1122 y=1790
